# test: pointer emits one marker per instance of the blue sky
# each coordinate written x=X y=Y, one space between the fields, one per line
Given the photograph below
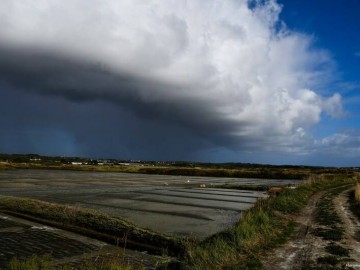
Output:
x=206 y=80
x=335 y=26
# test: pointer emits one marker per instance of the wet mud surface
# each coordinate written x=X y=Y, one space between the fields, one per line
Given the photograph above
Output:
x=168 y=204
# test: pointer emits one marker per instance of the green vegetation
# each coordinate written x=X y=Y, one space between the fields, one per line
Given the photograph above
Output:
x=245 y=170
x=335 y=249
x=329 y=260
x=264 y=226
x=219 y=172
x=357 y=193
x=354 y=200
x=330 y=228
x=90 y=222
x=44 y=262
x=276 y=173
x=327 y=217
x=32 y=263
x=332 y=234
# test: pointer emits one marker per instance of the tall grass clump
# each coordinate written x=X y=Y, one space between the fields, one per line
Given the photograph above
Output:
x=354 y=200
x=266 y=225
x=357 y=193
x=32 y=263
x=45 y=262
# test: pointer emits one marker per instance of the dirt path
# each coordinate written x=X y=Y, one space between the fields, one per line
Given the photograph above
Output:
x=304 y=249
x=303 y=245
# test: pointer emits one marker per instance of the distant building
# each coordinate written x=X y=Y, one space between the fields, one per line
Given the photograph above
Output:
x=76 y=163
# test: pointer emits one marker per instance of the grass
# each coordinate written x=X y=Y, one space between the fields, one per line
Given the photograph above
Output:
x=244 y=172
x=263 y=227
x=357 y=193
x=354 y=201
x=45 y=262
x=337 y=250
x=331 y=234
x=32 y=263
x=330 y=260
x=330 y=229
x=327 y=215
x=329 y=221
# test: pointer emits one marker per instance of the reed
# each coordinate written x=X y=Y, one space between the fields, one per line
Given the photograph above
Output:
x=45 y=262
x=357 y=193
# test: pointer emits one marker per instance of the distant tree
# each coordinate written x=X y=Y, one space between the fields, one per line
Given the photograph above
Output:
x=93 y=162
x=21 y=159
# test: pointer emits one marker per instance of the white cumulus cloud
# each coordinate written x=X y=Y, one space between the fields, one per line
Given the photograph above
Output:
x=244 y=74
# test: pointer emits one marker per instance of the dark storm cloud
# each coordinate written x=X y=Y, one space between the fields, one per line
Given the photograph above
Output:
x=46 y=74
x=41 y=124
x=98 y=112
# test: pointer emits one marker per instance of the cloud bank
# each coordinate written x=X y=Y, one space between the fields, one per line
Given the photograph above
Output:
x=226 y=71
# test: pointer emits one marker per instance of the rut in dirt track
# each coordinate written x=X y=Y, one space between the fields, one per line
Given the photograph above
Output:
x=299 y=248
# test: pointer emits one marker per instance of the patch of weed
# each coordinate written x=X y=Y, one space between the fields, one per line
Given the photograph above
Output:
x=251 y=263
x=328 y=217
x=32 y=263
x=335 y=249
x=330 y=260
x=45 y=263
x=332 y=234
x=357 y=193
x=354 y=204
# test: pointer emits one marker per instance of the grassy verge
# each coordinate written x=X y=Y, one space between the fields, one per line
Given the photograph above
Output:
x=273 y=173
x=357 y=193
x=264 y=226
x=92 y=223
x=45 y=262
x=354 y=200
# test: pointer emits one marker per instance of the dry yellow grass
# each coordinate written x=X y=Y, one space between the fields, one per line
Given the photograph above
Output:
x=357 y=193
x=275 y=190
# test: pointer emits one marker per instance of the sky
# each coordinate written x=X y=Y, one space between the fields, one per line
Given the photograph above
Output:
x=273 y=82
